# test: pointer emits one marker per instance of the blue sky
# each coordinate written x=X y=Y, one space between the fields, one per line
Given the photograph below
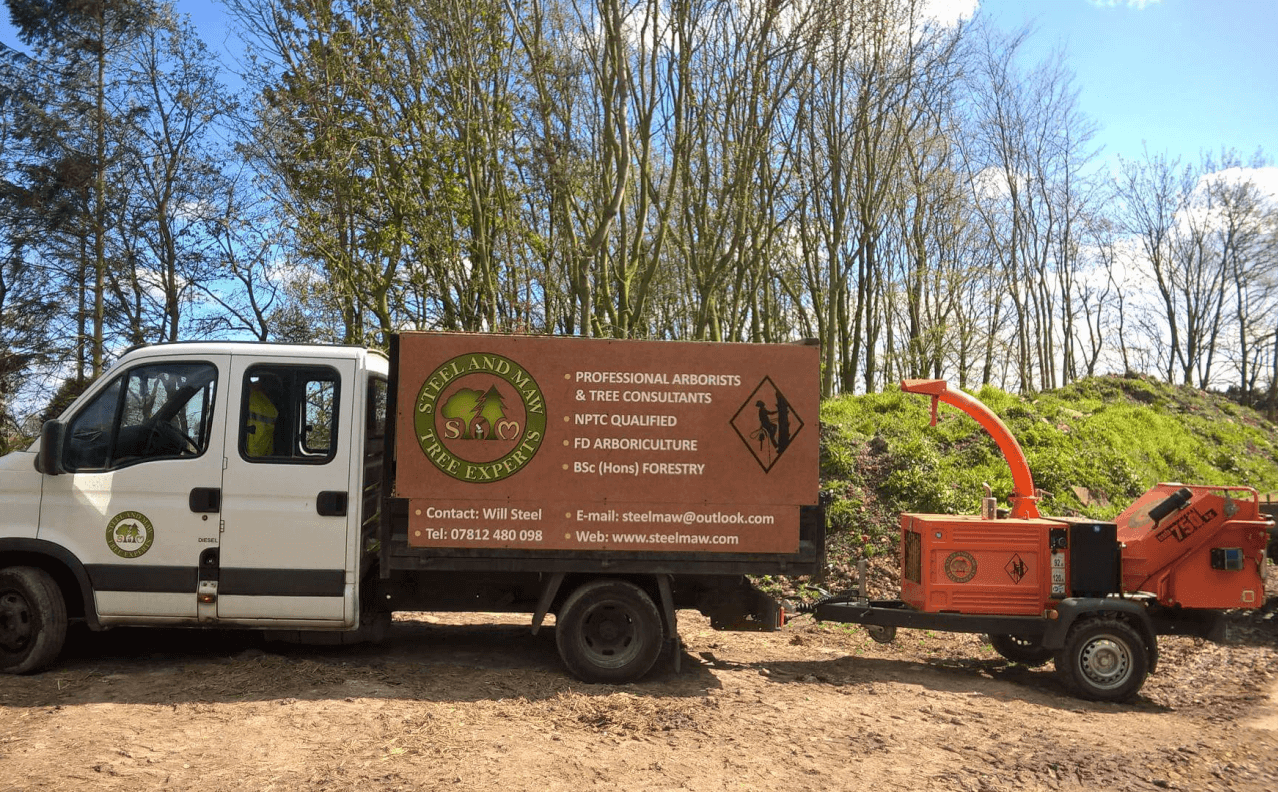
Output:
x=1179 y=75
x=1182 y=76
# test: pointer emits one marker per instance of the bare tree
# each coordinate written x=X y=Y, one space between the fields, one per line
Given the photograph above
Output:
x=1154 y=192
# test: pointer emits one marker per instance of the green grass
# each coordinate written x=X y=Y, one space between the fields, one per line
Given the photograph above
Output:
x=1115 y=437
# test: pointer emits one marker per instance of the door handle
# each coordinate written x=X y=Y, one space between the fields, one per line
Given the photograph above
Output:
x=206 y=500
x=331 y=504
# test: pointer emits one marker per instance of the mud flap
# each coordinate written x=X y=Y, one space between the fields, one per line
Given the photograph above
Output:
x=742 y=608
x=672 y=620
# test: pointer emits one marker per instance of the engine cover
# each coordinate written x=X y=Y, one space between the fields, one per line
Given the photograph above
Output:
x=967 y=564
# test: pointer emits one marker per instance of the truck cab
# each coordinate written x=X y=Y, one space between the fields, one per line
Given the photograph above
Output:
x=202 y=483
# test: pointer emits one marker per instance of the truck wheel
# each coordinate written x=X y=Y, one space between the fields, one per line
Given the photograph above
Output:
x=1103 y=660
x=1023 y=649
x=33 y=620
x=608 y=631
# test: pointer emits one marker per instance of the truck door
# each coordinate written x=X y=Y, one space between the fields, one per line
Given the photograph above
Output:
x=144 y=473
x=286 y=504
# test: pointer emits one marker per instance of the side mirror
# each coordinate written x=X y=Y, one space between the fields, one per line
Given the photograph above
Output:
x=49 y=459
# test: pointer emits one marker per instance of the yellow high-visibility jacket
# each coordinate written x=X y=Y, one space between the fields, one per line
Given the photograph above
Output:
x=262 y=415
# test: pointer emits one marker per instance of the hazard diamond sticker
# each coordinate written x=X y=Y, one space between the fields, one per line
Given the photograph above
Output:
x=767 y=424
x=1016 y=568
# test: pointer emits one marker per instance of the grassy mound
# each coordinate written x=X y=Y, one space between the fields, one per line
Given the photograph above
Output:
x=1093 y=446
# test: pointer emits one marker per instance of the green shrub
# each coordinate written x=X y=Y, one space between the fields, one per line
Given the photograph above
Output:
x=1113 y=437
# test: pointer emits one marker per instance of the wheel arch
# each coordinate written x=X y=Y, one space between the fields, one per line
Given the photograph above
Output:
x=1077 y=609
x=647 y=582
x=62 y=565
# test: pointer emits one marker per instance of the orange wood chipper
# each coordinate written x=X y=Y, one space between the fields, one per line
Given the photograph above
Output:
x=1092 y=595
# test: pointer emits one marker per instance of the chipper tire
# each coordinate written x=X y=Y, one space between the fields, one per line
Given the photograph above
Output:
x=33 y=620
x=1026 y=650
x=1103 y=659
x=609 y=631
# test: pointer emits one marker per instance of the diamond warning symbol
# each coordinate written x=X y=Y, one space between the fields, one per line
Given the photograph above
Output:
x=767 y=423
x=1016 y=568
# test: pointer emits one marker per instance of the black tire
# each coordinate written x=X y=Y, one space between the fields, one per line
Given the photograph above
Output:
x=1024 y=649
x=609 y=631
x=1104 y=659
x=33 y=620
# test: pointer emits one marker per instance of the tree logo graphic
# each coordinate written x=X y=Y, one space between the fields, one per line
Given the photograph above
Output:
x=480 y=417
x=477 y=415
x=130 y=534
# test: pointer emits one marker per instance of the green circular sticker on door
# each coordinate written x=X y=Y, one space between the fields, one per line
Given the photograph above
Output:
x=130 y=534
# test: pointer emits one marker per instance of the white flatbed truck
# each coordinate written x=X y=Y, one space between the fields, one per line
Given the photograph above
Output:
x=314 y=490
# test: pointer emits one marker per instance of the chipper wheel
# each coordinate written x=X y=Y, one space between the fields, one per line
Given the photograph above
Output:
x=1104 y=659
x=1023 y=649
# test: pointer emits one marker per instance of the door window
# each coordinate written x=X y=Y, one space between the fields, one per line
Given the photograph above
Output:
x=289 y=414
x=159 y=411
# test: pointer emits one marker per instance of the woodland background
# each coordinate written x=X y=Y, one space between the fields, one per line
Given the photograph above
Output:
x=915 y=193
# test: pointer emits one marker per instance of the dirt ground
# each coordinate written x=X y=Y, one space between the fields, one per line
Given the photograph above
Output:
x=476 y=702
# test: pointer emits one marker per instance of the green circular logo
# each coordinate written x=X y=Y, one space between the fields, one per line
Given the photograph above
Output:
x=130 y=534
x=480 y=417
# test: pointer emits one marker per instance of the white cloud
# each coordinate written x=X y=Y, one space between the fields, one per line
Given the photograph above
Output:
x=947 y=13
x=1257 y=184
x=993 y=183
x=1265 y=179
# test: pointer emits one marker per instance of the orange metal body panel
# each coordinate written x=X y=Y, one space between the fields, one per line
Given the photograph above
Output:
x=965 y=564
x=1172 y=559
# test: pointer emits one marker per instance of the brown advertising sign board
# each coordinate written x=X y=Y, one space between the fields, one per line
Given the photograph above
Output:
x=551 y=443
